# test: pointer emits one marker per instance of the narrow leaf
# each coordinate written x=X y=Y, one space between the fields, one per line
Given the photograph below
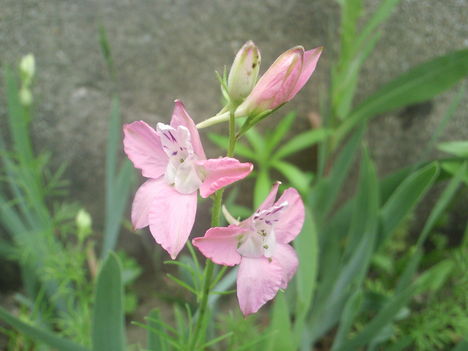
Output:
x=417 y=85
x=155 y=341
x=281 y=130
x=35 y=333
x=405 y=198
x=295 y=176
x=301 y=142
x=108 y=332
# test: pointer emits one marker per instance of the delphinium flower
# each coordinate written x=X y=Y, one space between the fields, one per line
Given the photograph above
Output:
x=260 y=246
x=173 y=160
x=280 y=83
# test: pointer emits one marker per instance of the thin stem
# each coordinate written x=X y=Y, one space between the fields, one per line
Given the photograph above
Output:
x=215 y=214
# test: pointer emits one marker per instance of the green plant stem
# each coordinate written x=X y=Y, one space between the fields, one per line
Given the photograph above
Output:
x=215 y=214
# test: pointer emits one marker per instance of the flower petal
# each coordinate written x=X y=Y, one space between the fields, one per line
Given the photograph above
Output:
x=292 y=217
x=221 y=172
x=270 y=199
x=311 y=58
x=143 y=199
x=171 y=218
x=220 y=244
x=180 y=117
x=286 y=257
x=258 y=281
x=276 y=85
x=143 y=147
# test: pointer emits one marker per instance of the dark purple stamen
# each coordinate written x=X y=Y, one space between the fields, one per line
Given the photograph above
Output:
x=172 y=136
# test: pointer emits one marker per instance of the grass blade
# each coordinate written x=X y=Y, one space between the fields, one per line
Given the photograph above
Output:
x=44 y=336
x=417 y=85
x=108 y=332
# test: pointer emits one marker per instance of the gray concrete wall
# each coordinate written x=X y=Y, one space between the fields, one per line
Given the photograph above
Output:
x=167 y=49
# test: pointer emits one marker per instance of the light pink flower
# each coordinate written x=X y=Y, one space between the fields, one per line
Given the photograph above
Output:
x=173 y=159
x=282 y=81
x=260 y=245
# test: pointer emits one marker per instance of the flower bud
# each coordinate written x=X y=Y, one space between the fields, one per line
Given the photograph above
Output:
x=83 y=222
x=282 y=81
x=244 y=72
x=27 y=68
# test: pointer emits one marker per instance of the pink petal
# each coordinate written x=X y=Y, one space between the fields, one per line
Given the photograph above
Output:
x=286 y=257
x=220 y=244
x=292 y=217
x=142 y=202
x=258 y=281
x=143 y=148
x=311 y=58
x=180 y=117
x=171 y=218
x=270 y=199
x=275 y=86
x=220 y=172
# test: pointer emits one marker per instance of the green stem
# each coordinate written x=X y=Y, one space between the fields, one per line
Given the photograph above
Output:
x=215 y=214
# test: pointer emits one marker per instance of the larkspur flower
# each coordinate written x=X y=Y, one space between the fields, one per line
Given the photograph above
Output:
x=280 y=84
x=173 y=159
x=260 y=246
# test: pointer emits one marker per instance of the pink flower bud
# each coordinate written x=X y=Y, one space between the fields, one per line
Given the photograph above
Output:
x=244 y=71
x=282 y=81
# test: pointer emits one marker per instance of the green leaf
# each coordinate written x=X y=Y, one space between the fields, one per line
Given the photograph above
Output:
x=18 y=120
x=461 y=346
x=417 y=85
x=108 y=332
x=295 y=176
x=282 y=337
x=155 y=341
x=457 y=148
x=354 y=265
x=449 y=113
x=306 y=245
x=390 y=310
x=257 y=142
x=365 y=207
x=280 y=130
x=263 y=185
x=41 y=335
x=240 y=150
x=385 y=9
x=301 y=142
x=403 y=200
x=324 y=194
x=350 y=312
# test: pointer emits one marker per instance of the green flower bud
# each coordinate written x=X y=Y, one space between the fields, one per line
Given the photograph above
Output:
x=27 y=68
x=83 y=222
x=244 y=72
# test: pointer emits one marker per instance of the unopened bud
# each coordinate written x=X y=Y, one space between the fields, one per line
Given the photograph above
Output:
x=244 y=72
x=27 y=68
x=83 y=222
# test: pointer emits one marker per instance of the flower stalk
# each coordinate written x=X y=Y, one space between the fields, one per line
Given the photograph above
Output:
x=215 y=215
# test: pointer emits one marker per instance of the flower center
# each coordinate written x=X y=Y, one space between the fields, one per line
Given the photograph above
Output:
x=181 y=171
x=260 y=240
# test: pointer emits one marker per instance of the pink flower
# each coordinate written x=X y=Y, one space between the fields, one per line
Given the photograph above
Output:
x=173 y=159
x=282 y=81
x=260 y=245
